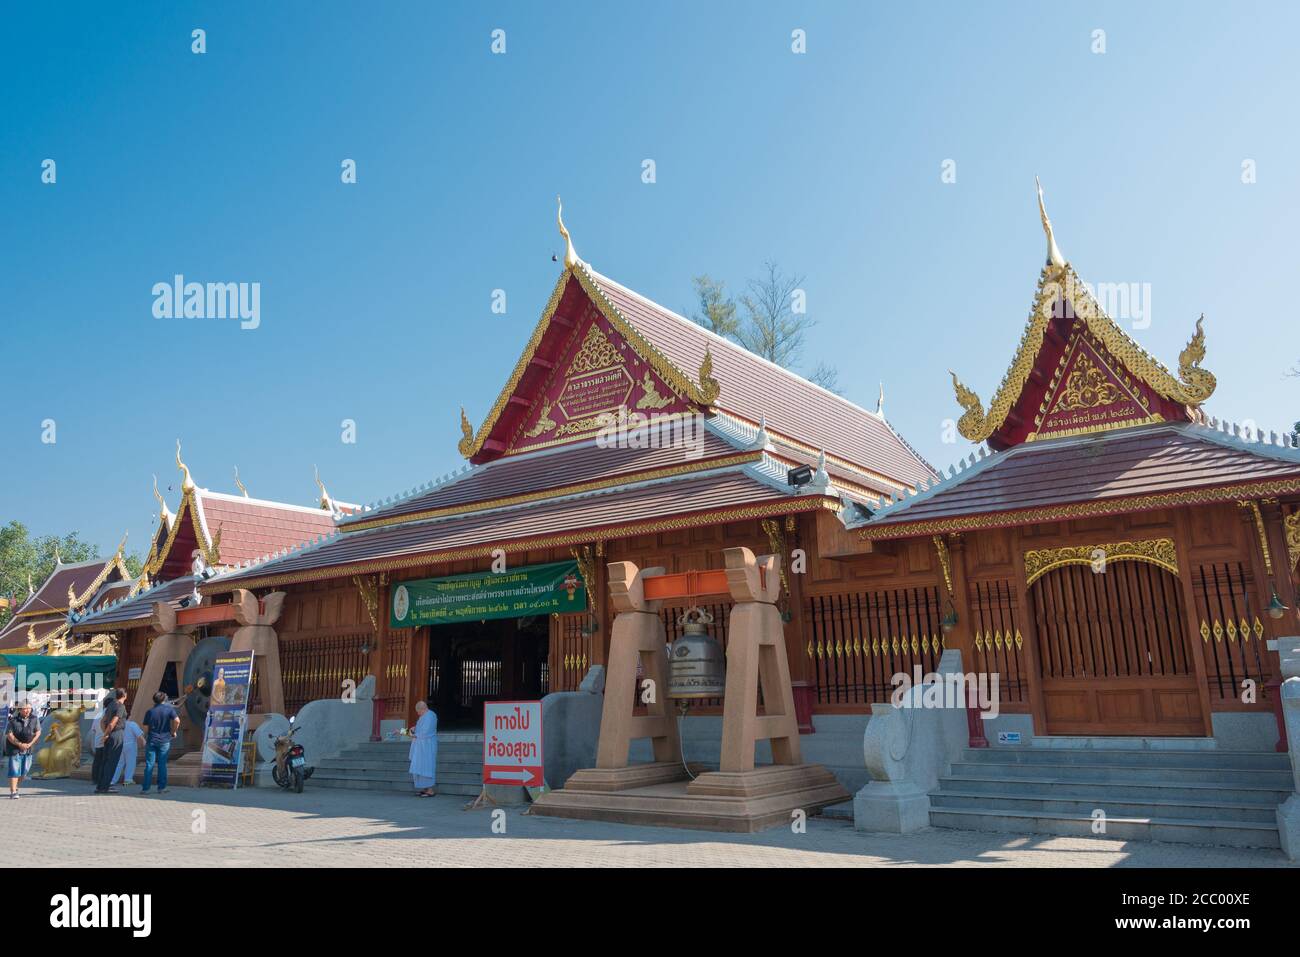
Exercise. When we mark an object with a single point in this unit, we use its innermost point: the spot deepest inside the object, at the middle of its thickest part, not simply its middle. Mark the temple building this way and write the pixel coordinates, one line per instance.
(209, 531)
(40, 625)
(1116, 556)
(624, 431)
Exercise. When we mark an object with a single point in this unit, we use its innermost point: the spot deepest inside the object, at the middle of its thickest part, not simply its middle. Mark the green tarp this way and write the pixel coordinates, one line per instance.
(46, 672)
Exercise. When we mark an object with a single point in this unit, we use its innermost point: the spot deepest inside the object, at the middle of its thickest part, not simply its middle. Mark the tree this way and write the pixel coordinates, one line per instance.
(774, 322)
(717, 312)
(22, 556)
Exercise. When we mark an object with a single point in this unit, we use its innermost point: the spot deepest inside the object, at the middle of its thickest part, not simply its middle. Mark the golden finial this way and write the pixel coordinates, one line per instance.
(31, 589)
(709, 386)
(325, 501)
(238, 484)
(466, 444)
(58, 559)
(164, 513)
(72, 597)
(570, 256)
(880, 402)
(187, 482)
(1054, 257)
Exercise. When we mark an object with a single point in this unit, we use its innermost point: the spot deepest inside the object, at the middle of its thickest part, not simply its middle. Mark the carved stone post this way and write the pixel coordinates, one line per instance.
(756, 655)
(255, 634)
(173, 644)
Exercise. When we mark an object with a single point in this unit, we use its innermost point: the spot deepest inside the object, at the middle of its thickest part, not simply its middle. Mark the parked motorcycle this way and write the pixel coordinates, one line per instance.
(290, 769)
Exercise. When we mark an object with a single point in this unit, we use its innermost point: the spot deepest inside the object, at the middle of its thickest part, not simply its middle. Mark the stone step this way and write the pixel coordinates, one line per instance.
(395, 777)
(1173, 830)
(347, 760)
(1216, 758)
(1124, 773)
(1219, 811)
(360, 784)
(1109, 791)
(1076, 742)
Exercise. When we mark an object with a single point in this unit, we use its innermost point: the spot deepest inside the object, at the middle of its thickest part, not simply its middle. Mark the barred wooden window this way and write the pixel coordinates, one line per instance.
(996, 635)
(858, 642)
(1231, 631)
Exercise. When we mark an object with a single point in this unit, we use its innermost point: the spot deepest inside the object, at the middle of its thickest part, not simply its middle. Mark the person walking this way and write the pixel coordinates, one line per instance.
(162, 722)
(424, 751)
(114, 725)
(21, 735)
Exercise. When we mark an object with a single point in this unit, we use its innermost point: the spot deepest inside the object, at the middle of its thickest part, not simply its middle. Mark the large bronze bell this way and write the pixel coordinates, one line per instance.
(697, 666)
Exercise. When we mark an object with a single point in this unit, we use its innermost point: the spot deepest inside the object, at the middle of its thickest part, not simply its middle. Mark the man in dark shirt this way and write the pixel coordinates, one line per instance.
(161, 722)
(113, 721)
(21, 735)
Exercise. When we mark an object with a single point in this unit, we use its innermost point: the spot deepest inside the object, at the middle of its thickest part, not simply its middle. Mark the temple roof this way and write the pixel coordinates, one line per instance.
(68, 588)
(136, 609)
(729, 489)
(1111, 472)
(687, 368)
(230, 529)
(1075, 371)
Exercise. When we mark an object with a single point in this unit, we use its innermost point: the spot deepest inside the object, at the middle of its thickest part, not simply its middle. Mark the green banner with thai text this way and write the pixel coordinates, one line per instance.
(554, 588)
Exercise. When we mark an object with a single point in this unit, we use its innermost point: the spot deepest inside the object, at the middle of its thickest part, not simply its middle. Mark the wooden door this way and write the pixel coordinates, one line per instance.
(1114, 652)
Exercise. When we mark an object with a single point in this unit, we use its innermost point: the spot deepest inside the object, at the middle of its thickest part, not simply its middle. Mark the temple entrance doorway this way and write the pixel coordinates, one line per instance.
(496, 660)
(1114, 651)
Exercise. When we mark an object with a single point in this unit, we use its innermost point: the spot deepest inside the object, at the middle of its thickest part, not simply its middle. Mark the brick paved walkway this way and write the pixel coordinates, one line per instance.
(61, 823)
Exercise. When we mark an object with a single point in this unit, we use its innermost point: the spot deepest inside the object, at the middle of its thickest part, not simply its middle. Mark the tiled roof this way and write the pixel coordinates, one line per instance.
(620, 511)
(137, 608)
(752, 388)
(252, 528)
(1122, 470)
(14, 635)
(538, 473)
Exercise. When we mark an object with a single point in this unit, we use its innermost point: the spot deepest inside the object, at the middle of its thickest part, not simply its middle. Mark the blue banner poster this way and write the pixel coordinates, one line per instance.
(223, 733)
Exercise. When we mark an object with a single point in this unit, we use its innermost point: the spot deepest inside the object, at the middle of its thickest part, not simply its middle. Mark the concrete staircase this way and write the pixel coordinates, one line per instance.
(383, 766)
(1177, 793)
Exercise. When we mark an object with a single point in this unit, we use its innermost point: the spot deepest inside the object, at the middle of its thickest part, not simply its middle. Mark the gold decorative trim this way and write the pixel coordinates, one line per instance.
(776, 542)
(945, 561)
(369, 587)
(808, 503)
(1091, 509)
(1253, 508)
(210, 550)
(1156, 551)
(703, 393)
(1292, 525)
(1195, 387)
(704, 465)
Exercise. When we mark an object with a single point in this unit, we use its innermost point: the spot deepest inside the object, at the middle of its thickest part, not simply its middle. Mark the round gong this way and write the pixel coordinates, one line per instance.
(198, 676)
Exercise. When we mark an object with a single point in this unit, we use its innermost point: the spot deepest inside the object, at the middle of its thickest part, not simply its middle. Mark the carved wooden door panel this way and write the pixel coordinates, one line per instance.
(1114, 652)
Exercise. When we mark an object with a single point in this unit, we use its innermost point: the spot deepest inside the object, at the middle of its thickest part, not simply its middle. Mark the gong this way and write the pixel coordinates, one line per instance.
(198, 676)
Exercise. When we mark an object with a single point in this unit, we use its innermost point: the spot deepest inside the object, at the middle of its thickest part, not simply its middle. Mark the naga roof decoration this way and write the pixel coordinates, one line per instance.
(1065, 314)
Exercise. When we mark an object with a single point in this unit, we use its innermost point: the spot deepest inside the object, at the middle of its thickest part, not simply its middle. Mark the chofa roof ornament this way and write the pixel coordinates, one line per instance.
(1054, 257)
(187, 481)
(570, 254)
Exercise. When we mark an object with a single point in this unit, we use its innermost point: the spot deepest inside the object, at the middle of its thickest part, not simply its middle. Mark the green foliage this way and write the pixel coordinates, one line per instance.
(22, 557)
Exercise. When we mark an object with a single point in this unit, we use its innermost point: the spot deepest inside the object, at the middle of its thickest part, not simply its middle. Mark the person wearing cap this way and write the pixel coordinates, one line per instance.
(21, 735)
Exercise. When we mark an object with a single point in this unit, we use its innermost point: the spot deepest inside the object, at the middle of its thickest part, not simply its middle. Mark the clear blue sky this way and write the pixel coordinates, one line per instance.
(376, 296)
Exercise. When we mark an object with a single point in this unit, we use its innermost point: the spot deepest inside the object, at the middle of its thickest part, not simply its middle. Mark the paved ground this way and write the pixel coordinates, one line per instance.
(61, 823)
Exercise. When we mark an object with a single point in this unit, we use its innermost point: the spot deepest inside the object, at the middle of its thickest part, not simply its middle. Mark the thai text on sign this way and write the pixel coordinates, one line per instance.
(512, 743)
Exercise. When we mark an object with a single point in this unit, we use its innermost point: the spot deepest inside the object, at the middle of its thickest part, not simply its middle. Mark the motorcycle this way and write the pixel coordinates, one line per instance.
(290, 769)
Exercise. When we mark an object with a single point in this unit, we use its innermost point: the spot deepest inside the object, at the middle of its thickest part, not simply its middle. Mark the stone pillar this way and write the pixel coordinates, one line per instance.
(172, 644)
(756, 654)
(637, 635)
(255, 634)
